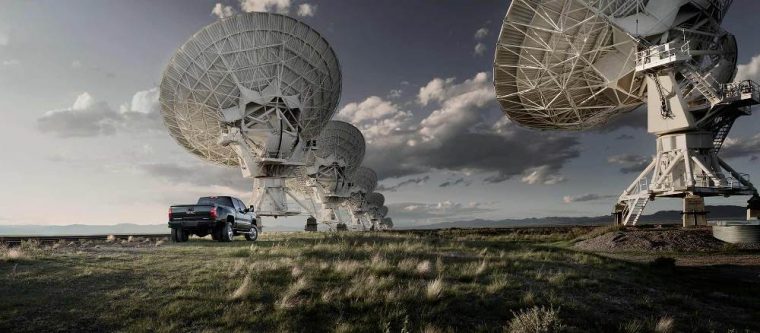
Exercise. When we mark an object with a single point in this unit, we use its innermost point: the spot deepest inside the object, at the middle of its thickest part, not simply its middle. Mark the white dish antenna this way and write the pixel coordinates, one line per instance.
(252, 90)
(574, 64)
(323, 185)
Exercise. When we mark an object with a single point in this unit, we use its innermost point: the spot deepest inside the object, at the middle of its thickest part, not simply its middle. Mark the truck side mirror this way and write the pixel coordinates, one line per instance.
(250, 209)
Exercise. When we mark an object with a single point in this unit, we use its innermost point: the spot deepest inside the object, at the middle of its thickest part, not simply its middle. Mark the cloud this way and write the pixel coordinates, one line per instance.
(480, 49)
(586, 197)
(221, 11)
(199, 174)
(11, 62)
(395, 93)
(450, 183)
(394, 188)
(435, 212)
(76, 64)
(278, 6)
(741, 147)
(88, 117)
(481, 33)
(750, 70)
(455, 136)
(631, 163)
(306, 9)
(624, 137)
(4, 39)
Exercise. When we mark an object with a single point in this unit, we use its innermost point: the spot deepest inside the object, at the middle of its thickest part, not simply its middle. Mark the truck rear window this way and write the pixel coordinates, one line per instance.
(221, 201)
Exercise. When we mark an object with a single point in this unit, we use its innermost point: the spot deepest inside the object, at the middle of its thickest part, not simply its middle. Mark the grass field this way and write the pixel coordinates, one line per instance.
(440, 281)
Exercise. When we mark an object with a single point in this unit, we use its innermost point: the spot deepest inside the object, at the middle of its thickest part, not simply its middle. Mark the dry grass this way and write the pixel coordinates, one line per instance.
(664, 325)
(453, 281)
(535, 320)
(434, 289)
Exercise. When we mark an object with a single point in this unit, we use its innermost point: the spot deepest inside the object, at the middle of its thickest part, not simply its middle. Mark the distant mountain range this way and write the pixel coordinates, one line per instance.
(88, 229)
(662, 217)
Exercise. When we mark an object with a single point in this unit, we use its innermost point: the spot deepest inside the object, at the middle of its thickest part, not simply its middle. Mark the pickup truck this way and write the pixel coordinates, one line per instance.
(223, 217)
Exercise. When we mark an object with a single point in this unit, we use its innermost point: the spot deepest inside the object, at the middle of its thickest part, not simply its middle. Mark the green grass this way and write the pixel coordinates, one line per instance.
(377, 282)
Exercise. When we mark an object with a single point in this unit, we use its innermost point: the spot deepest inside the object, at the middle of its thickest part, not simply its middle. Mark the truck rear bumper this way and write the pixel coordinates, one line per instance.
(192, 225)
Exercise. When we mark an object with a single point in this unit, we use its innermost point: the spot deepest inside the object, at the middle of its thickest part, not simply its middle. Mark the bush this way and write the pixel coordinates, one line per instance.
(535, 320)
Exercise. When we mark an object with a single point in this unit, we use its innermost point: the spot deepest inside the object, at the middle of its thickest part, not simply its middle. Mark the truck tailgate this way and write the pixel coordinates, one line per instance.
(191, 212)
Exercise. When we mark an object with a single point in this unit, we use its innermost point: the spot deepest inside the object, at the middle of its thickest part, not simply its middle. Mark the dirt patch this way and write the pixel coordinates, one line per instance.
(663, 240)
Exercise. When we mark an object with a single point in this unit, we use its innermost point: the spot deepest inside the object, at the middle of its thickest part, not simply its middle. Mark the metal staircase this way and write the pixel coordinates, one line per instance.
(635, 208)
(702, 84)
(636, 203)
(720, 135)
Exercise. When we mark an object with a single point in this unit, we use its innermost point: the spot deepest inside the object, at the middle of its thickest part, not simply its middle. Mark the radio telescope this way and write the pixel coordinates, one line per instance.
(363, 183)
(574, 64)
(323, 184)
(375, 202)
(252, 90)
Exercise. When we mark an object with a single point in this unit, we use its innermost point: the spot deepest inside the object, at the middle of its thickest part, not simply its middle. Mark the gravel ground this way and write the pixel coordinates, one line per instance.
(659, 240)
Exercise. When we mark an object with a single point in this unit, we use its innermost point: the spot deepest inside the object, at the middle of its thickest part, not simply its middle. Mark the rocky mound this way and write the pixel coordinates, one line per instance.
(654, 239)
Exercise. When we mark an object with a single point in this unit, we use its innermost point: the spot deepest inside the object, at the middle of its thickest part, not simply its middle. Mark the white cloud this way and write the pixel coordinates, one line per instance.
(145, 101)
(76, 64)
(395, 93)
(89, 117)
(279, 6)
(377, 118)
(306, 9)
(481, 33)
(455, 136)
(544, 174)
(459, 105)
(221, 11)
(586, 197)
(4, 39)
(749, 71)
(11, 62)
(480, 49)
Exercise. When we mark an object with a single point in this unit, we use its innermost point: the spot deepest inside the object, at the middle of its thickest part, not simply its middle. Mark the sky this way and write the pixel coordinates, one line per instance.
(83, 142)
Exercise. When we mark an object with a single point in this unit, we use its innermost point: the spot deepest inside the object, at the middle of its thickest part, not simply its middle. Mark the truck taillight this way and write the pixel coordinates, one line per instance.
(170, 213)
(212, 213)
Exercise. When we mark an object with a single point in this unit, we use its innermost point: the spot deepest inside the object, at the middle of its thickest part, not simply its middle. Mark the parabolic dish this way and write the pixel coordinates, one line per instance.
(343, 141)
(375, 200)
(255, 51)
(561, 65)
(364, 180)
(382, 211)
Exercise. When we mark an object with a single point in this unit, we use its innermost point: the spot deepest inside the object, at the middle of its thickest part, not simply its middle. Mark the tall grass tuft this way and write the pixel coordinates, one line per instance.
(424, 268)
(434, 289)
(664, 325)
(535, 320)
(243, 290)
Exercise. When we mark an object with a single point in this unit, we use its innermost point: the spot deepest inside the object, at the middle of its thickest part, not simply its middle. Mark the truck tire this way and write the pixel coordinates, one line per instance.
(179, 235)
(185, 235)
(253, 234)
(226, 233)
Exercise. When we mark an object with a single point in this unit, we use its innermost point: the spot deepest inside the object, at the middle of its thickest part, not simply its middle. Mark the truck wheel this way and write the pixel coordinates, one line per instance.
(253, 234)
(175, 236)
(179, 235)
(185, 235)
(226, 233)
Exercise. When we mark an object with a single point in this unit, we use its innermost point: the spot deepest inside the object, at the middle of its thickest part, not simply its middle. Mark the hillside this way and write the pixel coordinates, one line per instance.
(717, 212)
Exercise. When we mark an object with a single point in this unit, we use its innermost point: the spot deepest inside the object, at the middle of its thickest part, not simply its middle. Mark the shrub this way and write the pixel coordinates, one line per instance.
(535, 320)
(434, 289)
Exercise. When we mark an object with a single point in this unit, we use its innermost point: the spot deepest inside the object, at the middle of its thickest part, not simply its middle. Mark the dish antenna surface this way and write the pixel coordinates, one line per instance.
(574, 64)
(326, 179)
(363, 182)
(252, 90)
(375, 202)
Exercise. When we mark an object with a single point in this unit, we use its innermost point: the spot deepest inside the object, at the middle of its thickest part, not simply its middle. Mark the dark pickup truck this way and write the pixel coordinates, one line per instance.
(222, 217)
